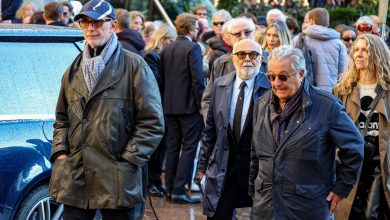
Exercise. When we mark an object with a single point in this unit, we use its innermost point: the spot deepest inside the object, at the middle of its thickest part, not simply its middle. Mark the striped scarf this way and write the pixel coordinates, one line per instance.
(93, 66)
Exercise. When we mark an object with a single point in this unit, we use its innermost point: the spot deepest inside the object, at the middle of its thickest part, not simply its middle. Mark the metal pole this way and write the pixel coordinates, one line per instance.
(163, 13)
(383, 5)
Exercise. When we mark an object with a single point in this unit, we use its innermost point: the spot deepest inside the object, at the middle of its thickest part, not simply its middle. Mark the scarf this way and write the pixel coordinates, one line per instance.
(280, 118)
(93, 66)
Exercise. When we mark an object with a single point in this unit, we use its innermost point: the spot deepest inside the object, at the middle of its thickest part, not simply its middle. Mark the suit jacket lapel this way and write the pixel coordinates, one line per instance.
(76, 79)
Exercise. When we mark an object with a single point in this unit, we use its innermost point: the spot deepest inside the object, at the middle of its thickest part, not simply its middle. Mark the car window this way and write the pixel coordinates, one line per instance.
(30, 77)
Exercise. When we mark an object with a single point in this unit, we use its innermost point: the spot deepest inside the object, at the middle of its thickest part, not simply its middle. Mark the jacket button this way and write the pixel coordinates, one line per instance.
(105, 93)
(85, 121)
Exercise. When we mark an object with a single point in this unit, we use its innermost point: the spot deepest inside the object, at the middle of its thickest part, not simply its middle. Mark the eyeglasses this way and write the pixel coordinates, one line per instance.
(238, 34)
(282, 77)
(218, 23)
(347, 39)
(94, 23)
(65, 13)
(364, 27)
(201, 14)
(242, 55)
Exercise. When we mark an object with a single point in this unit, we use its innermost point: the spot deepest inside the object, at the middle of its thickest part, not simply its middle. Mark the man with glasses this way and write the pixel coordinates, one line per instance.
(227, 137)
(108, 122)
(217, 21)
(297, 128)
(201, 12)
(364, 25)
(236, 30)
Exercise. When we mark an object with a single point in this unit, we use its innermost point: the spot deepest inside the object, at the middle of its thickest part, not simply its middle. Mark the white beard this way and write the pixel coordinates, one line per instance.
(246, 73)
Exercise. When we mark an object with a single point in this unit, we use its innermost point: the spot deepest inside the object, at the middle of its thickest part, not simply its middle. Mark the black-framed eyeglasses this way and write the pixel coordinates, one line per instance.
(94, 23)
(247, 33)
(218, 23)
(242, 55)
(347, 39)
(282, 76)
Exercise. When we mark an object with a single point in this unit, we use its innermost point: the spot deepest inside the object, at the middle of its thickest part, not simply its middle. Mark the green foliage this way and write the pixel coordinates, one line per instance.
(230, 6)
(343, 16)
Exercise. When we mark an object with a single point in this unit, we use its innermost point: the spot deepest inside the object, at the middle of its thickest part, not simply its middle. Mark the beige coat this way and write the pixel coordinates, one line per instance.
(352, 106)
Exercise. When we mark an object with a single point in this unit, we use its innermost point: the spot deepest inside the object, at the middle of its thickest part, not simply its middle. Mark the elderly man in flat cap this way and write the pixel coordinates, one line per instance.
(108, 122)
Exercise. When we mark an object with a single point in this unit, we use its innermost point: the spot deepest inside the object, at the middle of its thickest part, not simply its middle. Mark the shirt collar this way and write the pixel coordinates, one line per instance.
(249, 83)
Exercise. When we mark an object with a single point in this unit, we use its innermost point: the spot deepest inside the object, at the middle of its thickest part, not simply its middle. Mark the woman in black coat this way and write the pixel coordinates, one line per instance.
(160, 39)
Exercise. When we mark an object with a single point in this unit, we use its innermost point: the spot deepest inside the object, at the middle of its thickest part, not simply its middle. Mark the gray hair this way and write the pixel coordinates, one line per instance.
(257, 45)
(241, 20)
(225, 27)
(277, 12)
(222, 13)
(364, 20)
(286, 51)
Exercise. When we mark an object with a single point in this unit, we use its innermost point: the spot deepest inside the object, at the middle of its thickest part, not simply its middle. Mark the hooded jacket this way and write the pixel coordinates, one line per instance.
(329, 55)
(132, 40)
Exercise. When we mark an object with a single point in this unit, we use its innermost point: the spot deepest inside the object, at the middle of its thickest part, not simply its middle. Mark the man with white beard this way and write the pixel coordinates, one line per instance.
(230, 118)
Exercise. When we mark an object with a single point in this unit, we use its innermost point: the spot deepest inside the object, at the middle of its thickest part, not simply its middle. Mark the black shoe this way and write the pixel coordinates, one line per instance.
(184, 199)
(154, 191)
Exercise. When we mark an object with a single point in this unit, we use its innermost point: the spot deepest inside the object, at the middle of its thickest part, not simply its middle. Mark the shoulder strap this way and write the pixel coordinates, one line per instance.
(372, 108)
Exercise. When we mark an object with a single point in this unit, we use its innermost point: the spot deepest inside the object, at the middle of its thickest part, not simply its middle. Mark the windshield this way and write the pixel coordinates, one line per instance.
(30, 77)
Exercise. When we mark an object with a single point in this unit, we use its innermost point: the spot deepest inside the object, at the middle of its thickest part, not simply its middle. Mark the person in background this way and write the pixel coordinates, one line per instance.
(261, 23)
(161, 38)
(109, 120)
(274, 15)
(148, 31)
(217, 21)
(296, 131)
(328, 52)
(129, 38)
(364, 89)
(226, 166)
(204, 27)
(201, 12)
(37, 18)
(67, 15)
(293, 27)
(53, 14)
(364, 25)
(348, 36)
(375, 28)
(24, 13)
(8, 10)
(276, 34)
(183, 86)
(137, 21)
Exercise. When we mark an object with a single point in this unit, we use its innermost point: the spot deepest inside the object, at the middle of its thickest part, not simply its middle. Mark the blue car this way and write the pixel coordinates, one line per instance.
(33, 59)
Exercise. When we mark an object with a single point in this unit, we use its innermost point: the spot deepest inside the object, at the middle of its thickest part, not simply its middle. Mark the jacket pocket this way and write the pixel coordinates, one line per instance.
(310, 191)
(56, 175)
(129, 184)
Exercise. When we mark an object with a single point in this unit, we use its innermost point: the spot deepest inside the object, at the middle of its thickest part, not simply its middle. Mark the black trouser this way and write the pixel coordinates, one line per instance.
(73, 213)
(183, 135)
(233, 196)
(155, 164)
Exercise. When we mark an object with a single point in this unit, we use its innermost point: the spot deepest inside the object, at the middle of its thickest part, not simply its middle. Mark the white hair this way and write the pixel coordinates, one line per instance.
(279, 13)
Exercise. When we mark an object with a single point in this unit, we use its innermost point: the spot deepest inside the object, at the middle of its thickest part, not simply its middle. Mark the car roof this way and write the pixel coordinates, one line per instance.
(39, 33)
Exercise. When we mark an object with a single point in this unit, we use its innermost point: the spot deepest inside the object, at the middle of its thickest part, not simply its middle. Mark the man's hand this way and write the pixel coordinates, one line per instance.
(62, 157)
(334, 201)
(199, 177)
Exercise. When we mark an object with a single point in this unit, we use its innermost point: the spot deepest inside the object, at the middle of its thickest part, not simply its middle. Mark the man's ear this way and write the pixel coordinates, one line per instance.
(311, 21)
(302, 73)
(114, 24)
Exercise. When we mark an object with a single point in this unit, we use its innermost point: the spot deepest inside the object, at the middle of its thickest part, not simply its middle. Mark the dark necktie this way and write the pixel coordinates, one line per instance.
(238, 112)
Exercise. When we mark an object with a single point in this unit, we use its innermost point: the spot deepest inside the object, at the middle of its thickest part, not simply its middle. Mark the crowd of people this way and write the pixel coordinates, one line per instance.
(294, 124)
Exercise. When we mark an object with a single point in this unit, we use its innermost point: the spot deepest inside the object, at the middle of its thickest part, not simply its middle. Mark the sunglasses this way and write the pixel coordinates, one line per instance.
(347, 39)
(247, 33)
(282, 77)
(94, 23)
(364, 27)
(242, 55)
(218, 23)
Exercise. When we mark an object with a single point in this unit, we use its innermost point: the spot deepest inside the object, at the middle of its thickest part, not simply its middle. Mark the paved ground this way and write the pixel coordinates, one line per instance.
(169, 211)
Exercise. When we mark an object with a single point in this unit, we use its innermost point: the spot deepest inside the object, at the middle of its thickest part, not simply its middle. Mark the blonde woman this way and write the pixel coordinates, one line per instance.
(24, 13)
(276, 34)
(366, 86)
(162, 37)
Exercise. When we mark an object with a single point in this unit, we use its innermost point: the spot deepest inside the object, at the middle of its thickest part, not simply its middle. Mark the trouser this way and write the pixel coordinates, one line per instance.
(233, 196)
(74, 213)
(183, 135)
(155, 164)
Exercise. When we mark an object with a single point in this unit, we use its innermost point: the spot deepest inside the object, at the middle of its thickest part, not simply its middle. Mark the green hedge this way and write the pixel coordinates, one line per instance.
(346, 15)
